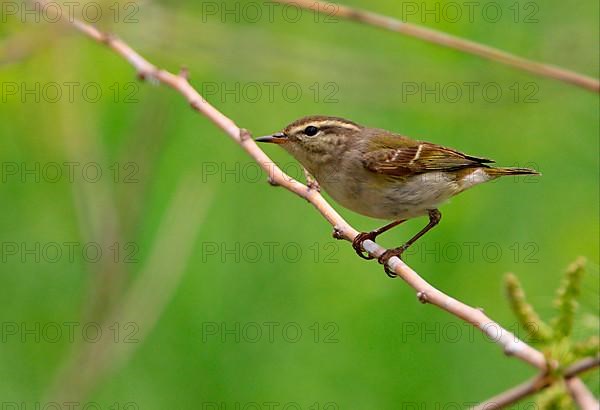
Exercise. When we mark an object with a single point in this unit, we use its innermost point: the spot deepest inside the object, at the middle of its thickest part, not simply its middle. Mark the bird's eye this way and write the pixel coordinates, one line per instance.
(311, 130)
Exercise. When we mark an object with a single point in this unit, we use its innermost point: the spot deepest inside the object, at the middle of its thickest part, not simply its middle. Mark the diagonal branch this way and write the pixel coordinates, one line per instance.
(577, 389)
(581, 366)
(515, 394)
(342, 230)
(581, 395)
(447, 40)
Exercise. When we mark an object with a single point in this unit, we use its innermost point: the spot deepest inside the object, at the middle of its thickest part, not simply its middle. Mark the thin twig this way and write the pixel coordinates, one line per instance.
(447, 40)
(515, 394)
(342, 230)
(544, 380)
(582, 366)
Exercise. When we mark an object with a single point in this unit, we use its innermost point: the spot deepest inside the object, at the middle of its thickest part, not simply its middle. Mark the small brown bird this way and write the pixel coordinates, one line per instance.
(381, 174)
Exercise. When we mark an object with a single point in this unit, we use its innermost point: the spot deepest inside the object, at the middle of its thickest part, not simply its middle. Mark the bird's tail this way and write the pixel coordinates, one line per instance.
(498, 172)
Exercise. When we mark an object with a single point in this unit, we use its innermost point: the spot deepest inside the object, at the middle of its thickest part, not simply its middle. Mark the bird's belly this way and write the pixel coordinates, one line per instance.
(394, 199)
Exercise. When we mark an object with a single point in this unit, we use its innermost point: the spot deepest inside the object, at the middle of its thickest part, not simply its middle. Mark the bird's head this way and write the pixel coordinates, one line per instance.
(317, 139)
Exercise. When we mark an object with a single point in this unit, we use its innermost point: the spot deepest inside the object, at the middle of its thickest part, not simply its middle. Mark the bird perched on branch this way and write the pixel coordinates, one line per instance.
(382, 174)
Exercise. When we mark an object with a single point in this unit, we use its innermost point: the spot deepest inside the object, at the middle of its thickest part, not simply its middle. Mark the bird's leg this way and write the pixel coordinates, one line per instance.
(434, 218)
(363, 236)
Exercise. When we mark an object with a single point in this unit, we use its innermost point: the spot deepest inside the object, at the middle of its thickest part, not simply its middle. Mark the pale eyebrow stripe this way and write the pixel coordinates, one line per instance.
(324, 124)
(339, 124)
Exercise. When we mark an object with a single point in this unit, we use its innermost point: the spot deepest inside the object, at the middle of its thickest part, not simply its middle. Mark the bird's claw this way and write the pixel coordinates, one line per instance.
(313, 185)
(358, 241)
(385, 257)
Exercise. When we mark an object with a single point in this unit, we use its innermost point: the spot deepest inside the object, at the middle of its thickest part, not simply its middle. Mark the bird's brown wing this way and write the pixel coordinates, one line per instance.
(417, 159)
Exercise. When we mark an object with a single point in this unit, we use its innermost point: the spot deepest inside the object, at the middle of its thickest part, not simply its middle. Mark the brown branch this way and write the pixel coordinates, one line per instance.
(582, 366)
(342, 230)
(447, 40)
(515, 394)
(577, 389)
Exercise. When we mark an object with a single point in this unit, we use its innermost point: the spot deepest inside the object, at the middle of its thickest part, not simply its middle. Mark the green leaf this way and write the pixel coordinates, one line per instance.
(539, 331)
(566, 296)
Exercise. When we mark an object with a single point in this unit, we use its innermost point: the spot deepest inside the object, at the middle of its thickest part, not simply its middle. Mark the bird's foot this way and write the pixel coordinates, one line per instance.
(358, 241)
(385, 257)
(313, 185)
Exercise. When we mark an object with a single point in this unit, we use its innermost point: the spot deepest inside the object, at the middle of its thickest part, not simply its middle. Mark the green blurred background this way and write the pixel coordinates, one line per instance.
(199, 252)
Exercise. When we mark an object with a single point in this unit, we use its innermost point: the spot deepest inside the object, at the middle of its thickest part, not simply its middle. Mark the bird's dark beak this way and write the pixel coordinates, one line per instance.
(278, 138)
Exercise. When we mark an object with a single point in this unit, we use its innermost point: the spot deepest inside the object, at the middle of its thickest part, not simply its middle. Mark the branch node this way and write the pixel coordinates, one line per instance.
(422, 296)
(337, 233)
(184, 73)
(245, 134)
(107, 38)
(151, 75)
(195, 105)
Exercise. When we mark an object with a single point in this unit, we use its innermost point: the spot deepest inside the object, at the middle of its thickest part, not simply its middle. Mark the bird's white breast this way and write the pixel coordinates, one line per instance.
(386, 198)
